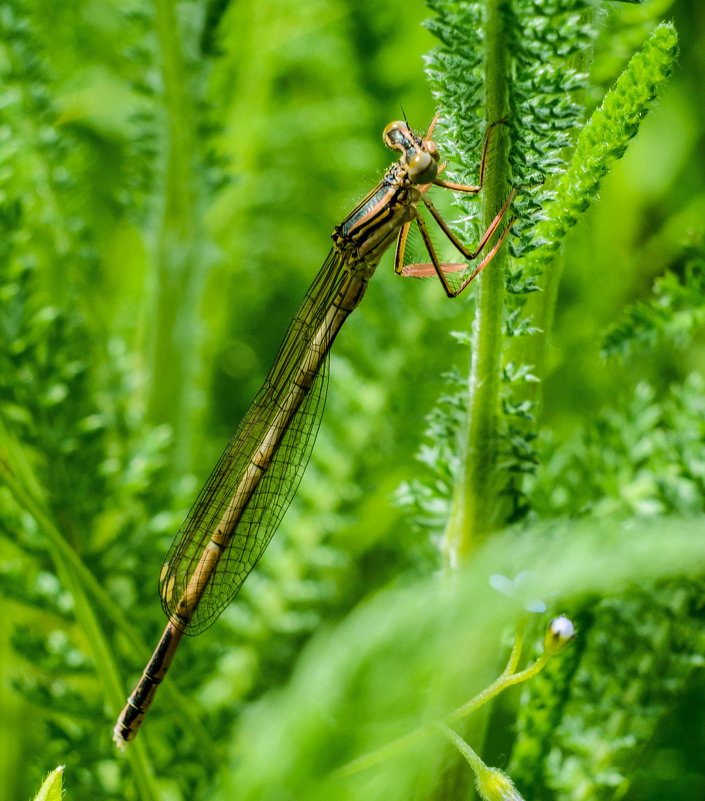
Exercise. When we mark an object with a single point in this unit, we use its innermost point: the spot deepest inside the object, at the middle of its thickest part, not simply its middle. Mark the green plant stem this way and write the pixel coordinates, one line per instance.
(474, 508)
(491, 784)
(505, 681)
(102, 655)
(176, 293)
(106, 668)
(477, 765)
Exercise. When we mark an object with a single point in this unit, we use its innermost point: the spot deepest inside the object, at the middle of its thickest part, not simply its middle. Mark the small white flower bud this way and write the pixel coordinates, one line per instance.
(559, 633)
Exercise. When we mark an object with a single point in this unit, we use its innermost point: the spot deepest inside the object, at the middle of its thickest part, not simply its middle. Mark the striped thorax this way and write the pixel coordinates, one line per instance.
(368, 231)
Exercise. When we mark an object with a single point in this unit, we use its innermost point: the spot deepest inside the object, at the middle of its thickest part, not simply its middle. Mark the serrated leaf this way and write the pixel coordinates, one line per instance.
(52, 786)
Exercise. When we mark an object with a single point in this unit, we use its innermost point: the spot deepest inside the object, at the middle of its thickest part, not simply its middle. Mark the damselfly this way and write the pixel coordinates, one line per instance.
(243, 501)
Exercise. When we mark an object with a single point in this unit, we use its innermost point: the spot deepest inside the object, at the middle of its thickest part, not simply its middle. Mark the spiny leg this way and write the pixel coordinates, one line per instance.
(464, 187)
(439, 268)
(434, 258)
(488, 258)
(457, 244)
(433, 124)
(443, 268)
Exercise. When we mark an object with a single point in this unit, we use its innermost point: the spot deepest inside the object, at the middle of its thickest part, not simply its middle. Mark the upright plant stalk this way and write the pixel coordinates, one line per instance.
(175, 293)
(475, 503)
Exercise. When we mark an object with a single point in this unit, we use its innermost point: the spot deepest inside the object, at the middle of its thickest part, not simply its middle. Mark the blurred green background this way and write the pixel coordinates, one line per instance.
(146, 290)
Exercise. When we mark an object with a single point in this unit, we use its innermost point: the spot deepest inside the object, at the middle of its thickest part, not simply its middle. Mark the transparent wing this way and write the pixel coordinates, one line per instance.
(279, 482)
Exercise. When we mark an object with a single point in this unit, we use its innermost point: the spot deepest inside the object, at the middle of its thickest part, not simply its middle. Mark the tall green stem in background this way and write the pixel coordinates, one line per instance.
(69, 569)
(177, 280)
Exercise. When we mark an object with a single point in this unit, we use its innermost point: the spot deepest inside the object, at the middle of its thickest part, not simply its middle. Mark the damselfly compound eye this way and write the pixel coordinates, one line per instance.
(396, 135)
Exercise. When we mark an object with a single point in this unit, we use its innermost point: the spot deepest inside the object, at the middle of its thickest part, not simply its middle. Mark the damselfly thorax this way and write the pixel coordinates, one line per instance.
(367, 232)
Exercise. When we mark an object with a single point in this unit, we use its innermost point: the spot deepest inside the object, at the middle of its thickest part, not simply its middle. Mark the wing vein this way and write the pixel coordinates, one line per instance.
(255, 479)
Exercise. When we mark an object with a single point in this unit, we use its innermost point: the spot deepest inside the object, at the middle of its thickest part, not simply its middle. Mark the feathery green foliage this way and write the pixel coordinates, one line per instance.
(639, 460)
(527, 320)
(673, 316)
(169, 176)
(601, 141)
(589, 717)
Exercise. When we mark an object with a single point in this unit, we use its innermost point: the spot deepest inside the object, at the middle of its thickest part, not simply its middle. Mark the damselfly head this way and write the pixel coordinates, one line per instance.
(418, 156)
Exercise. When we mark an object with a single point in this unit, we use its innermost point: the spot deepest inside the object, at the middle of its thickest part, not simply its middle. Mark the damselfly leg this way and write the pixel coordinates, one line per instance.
(441, 269)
